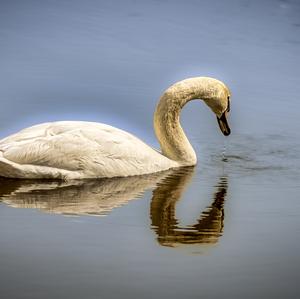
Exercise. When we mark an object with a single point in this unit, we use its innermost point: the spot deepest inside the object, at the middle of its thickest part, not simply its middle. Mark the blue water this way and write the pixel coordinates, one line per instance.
(228, 227)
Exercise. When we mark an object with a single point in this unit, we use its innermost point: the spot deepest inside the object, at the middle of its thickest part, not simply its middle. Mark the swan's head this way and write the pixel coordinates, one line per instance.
(217, 97)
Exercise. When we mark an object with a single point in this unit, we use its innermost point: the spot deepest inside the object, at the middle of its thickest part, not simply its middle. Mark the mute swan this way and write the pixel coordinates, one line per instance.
(79, 150)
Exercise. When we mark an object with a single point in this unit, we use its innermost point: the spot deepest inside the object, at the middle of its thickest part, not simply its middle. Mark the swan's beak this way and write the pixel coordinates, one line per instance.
(223, 124)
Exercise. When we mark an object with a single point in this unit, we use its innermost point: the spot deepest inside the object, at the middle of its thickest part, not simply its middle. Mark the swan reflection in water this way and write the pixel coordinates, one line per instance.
(209, 226)
(100, 197)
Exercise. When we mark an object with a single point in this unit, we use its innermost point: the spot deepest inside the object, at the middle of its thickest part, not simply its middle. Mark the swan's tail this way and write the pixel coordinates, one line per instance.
(9, 169)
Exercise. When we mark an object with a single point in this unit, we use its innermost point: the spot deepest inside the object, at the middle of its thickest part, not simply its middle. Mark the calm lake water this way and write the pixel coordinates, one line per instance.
(228, 227)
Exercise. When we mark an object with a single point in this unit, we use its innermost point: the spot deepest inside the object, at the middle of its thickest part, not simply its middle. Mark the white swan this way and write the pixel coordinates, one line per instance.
(78, 150)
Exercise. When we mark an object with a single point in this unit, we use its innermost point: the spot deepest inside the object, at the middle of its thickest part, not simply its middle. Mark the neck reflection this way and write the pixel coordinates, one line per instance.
(209, 226)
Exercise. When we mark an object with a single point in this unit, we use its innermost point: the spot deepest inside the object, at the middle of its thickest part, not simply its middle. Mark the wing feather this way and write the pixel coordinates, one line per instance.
(79, 146)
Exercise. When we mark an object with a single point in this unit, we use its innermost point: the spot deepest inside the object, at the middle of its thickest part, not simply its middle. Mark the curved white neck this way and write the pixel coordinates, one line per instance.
(173, 141)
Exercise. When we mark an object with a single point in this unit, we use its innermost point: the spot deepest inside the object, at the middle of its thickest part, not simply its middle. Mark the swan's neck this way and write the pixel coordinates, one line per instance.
(173, 141)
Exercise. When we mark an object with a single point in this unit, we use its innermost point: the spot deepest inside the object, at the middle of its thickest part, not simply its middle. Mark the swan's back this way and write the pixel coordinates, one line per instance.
(72, 149)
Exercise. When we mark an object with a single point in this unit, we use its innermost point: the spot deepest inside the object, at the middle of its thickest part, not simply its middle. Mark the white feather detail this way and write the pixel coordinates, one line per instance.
(77, 150)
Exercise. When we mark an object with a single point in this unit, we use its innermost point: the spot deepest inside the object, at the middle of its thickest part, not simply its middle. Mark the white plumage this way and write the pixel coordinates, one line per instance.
(78, 150)
(74, 149)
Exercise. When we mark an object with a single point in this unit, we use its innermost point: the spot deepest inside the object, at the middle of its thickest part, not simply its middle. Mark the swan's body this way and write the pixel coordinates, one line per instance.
(74, 149)
(78, 150)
